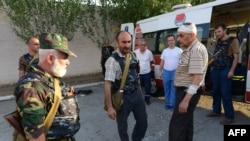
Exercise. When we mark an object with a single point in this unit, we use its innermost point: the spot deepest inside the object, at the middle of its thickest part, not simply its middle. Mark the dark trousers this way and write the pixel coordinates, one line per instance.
(181, 124)
(145, 80)
(222, 92)
(103, 68)
(132, 103)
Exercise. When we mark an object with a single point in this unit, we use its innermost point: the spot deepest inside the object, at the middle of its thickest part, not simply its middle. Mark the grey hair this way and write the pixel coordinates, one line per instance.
(44, 52)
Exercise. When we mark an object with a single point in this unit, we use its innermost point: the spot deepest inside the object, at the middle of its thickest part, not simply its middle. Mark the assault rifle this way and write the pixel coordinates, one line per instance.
(14, 119)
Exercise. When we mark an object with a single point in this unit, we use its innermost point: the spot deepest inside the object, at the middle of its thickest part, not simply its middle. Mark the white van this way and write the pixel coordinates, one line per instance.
(234, 13)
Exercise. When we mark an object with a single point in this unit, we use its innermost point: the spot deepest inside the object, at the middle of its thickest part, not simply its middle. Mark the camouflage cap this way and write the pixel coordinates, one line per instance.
(55, 41)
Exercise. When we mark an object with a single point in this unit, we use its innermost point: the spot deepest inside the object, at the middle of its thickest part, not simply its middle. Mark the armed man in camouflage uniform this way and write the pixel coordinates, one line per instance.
(35, 93)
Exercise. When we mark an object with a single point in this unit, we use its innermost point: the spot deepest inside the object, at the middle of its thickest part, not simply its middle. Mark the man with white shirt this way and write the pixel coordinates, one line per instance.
(169, 61)
(146, 59)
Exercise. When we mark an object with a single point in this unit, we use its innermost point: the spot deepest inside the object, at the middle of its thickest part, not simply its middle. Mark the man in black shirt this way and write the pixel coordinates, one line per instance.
(107, 50)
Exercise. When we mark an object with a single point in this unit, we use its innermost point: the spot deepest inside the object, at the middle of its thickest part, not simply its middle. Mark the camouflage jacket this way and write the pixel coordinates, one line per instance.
(34, 99)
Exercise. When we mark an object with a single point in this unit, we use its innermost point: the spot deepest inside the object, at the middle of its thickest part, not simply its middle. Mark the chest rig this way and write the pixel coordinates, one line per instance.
(223, 59)
(28, 58)
(132, 81)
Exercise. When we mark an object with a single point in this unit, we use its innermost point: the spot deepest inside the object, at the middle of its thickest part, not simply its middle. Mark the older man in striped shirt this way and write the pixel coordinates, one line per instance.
(188, 81)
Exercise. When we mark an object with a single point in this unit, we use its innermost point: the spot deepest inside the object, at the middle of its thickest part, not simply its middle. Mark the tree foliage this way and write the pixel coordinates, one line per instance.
(132, 11)
(32, 17)
(97, 22)
(192, 2)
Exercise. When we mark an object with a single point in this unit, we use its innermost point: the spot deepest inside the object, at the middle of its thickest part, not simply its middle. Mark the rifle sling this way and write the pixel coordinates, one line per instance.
(125, 72)
(52, 112)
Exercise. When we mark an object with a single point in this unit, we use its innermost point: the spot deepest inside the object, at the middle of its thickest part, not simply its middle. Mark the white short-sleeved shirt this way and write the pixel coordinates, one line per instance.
(113, 69)
(144, 60)
(171, 57)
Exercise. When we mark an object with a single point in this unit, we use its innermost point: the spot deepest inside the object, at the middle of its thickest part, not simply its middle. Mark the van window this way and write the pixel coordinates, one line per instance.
(157, 40)
(150, 38)
(163, 38)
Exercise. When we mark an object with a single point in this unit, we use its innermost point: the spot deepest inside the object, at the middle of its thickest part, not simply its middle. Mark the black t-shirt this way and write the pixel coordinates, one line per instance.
(106, 52)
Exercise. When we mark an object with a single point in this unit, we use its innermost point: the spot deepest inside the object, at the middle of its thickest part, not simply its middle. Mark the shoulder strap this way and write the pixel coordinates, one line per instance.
(33, 59)
(26, 57)
(125, 72)
(52, 112)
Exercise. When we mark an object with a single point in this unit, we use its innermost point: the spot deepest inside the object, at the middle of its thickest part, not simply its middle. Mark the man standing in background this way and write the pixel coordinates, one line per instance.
(24, 60)
(170, 59)
(106, 52)
(222, 73)
(146, 59)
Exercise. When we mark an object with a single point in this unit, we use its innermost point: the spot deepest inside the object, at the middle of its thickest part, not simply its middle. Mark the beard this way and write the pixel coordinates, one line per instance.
(57, 69)
(125, 50)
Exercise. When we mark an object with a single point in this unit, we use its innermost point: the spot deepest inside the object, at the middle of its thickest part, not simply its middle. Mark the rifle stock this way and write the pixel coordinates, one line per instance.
(211, 60)
(14, 119)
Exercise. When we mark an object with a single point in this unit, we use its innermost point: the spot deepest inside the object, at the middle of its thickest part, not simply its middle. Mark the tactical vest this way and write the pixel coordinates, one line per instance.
(28, 58)
(66, 122)
(223, 59)
(132, 81)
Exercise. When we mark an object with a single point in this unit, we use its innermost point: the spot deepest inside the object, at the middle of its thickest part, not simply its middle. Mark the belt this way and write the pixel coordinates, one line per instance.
(181, 88)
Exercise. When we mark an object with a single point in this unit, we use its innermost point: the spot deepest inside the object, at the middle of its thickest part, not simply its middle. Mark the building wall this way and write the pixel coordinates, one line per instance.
(87, 62)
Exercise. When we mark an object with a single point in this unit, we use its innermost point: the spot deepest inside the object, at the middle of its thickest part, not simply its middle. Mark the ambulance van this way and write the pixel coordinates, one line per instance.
(234, 13)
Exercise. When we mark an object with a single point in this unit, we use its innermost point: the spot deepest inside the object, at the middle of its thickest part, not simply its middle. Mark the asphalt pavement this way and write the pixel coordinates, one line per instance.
(96, 126)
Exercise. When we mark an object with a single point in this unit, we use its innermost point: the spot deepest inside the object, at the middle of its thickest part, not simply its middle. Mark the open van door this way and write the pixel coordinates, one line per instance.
(247, 94)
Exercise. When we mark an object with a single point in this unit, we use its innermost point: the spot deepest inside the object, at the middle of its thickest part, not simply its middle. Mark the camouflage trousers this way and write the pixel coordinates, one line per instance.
(19, 137)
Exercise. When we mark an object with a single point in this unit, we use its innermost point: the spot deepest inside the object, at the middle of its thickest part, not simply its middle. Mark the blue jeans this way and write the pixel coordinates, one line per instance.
(222, 92)
(169, 89)
(145, 80)
(132, 103)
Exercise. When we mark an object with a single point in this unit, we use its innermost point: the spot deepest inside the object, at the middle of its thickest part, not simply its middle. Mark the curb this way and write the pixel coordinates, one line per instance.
(4, 98)
(88, 85)
(10, 97)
